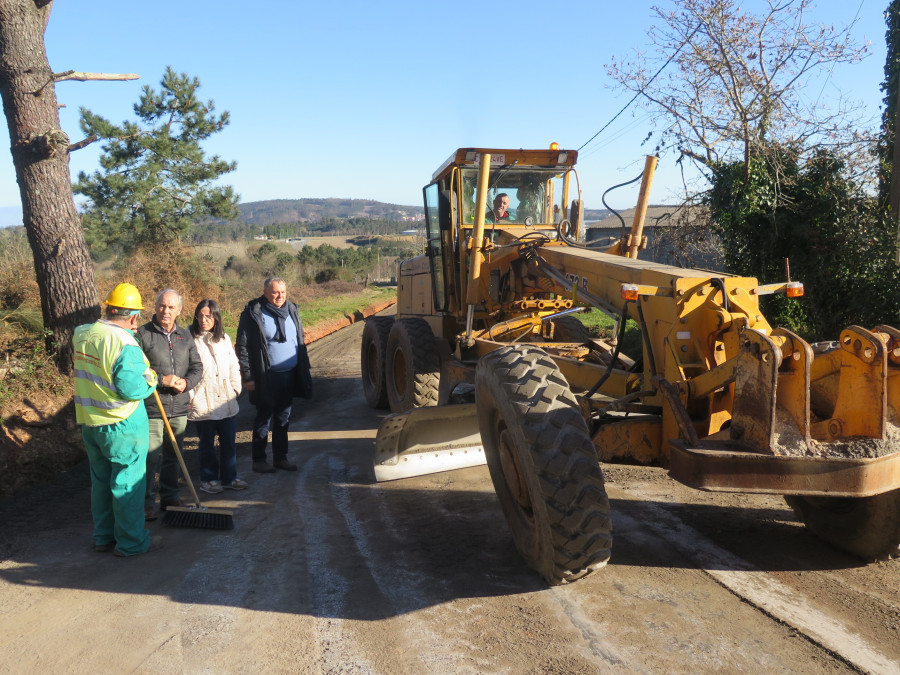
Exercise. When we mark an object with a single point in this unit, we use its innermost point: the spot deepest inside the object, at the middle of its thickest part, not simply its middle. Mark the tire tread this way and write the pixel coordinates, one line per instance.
(564, 459)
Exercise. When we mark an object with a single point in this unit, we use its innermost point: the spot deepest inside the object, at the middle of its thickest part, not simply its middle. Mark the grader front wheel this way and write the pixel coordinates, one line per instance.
(868, 527)
(543, 464)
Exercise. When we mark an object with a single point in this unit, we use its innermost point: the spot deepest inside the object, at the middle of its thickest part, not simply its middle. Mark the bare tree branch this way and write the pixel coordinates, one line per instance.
(84, 77)
(83, 143)
(735, 80)
(67, 75)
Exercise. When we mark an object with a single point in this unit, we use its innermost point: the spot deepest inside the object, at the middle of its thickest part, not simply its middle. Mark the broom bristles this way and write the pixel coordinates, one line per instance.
(199, 517)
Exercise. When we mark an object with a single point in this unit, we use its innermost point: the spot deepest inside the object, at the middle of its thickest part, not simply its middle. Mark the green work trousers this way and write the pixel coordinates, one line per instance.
(161, 458)
(117, 454)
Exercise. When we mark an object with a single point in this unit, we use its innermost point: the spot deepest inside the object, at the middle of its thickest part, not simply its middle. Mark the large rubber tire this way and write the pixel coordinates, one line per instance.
(868, 527)
(570, 329)
(543, 464)
(413, 366)
(372, 360)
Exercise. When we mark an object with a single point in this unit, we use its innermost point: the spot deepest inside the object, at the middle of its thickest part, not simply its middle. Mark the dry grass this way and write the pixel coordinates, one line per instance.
(227, 272)
(155, 269)
(38, 435)
(20, 298)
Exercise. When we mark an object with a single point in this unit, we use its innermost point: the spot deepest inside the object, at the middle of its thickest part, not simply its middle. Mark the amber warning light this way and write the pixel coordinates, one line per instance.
(794, 289)
(630, 292)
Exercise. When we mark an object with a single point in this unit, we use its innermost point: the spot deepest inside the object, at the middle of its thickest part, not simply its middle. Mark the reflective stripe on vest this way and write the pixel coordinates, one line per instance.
(97, 347)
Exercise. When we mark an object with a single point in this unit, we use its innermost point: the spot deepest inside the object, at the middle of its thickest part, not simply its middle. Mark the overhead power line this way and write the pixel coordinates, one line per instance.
(641, 90)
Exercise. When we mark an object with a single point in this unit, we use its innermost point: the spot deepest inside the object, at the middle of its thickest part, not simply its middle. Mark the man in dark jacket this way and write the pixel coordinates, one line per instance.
(274, 369)
(172, 354)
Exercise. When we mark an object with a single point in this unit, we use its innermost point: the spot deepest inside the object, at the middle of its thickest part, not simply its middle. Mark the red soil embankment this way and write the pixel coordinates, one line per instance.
(320, 330)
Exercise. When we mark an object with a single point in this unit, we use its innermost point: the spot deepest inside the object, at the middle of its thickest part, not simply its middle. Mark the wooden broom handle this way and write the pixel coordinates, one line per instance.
(187, 477)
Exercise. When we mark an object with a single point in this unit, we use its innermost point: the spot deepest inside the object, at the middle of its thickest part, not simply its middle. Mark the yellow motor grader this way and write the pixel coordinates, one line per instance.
(484, 362)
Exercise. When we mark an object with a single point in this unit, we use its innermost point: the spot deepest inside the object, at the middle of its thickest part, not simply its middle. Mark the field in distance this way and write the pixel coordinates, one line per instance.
(353, 241)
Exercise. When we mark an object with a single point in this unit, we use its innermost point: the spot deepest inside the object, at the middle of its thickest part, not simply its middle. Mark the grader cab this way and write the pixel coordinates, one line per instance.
(483, 362)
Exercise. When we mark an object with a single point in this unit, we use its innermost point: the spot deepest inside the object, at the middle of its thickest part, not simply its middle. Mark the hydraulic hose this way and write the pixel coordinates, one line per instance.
(615, 356)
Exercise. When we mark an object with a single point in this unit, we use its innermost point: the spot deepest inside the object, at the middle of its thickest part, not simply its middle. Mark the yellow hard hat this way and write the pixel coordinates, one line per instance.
(125, 296)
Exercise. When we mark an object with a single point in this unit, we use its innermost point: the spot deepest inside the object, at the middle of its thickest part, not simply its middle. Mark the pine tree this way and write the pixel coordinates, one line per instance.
(40, 153)
(155, 178)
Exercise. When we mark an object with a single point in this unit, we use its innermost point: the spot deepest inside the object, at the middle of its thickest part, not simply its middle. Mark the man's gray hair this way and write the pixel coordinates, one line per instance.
(159, 297)
(273, 280)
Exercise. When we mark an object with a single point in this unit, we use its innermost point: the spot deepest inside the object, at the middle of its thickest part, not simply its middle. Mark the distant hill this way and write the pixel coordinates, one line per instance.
(311, 210)
(276, 211)
(655, 212)
(593, 215)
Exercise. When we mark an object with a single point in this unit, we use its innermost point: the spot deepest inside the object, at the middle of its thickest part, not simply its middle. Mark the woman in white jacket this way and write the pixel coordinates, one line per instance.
(214, 405)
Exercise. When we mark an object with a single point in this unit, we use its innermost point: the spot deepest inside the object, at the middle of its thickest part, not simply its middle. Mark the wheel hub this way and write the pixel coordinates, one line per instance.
(515, 477)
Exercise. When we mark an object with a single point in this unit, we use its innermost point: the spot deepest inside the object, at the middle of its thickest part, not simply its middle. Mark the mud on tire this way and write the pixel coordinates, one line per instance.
(570, 329)
(868, 527)
(372, 359)
(543, 464)
(412, 366)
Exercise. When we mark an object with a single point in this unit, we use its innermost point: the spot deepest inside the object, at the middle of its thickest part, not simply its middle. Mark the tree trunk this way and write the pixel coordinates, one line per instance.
(65, 274)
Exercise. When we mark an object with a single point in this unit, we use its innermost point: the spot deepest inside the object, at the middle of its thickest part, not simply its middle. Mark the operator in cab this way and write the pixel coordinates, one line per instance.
(500, 211)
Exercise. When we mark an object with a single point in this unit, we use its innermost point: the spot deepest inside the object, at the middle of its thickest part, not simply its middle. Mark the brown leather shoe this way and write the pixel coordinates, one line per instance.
(104, 548)
(285, 465)
(263, 467)
(150, 513)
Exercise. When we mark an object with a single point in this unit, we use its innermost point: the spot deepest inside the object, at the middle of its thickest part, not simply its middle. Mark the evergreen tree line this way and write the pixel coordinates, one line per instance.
(335, 226)
(357, 259)
(209, 231)
(375, 259)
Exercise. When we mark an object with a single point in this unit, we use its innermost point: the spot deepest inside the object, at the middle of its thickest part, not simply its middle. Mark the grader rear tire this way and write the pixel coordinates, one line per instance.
(372, 360)
(543, 464)
(413, 366)
(868, 527)
(570, 329)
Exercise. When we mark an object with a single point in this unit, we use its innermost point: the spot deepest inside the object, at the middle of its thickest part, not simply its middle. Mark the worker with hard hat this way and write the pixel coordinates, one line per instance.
(112, 379)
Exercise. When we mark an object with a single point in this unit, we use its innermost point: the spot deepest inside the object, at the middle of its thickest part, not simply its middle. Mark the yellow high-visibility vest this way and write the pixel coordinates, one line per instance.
(97, 347)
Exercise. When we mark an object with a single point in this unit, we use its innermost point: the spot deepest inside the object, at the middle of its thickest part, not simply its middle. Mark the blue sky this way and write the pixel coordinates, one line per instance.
(364, 100)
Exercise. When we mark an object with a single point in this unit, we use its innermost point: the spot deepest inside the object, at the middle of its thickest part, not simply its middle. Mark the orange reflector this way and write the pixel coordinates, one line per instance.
(794, 289)
(630, 292)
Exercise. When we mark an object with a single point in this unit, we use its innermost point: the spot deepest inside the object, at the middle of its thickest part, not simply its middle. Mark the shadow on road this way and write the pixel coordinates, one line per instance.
(326, 542)
(320, 544)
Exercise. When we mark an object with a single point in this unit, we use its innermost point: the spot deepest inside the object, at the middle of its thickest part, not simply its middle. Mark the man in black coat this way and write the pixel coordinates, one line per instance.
(274, 369)
(172, 354)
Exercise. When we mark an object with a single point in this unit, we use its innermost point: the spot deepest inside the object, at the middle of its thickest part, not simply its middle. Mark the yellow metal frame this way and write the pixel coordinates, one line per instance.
(716, 377)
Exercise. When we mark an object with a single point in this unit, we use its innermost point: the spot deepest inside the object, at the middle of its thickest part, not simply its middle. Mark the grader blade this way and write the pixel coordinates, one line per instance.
(428, 440)
(836, 432)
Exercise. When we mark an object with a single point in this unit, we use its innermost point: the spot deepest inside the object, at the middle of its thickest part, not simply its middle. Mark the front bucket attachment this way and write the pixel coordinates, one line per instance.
(428, 440)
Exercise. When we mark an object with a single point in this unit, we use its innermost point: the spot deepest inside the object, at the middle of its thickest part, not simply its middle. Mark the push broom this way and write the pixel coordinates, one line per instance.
(196, 515)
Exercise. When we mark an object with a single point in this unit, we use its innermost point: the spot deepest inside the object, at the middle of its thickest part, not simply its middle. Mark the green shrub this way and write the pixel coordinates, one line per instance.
(840, 242)
(326, 275)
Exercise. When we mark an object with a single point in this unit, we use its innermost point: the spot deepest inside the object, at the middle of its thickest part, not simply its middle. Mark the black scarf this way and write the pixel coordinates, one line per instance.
(280, 314)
